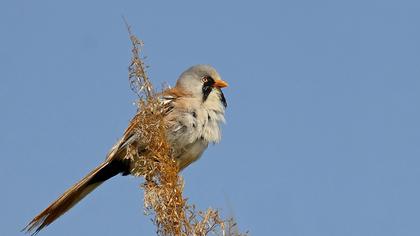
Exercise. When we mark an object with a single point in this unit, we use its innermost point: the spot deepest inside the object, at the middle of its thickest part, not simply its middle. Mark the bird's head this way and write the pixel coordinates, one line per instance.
(203, 81)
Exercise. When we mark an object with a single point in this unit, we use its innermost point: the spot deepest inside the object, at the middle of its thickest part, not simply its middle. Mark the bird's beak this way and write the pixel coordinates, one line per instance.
(220, 83)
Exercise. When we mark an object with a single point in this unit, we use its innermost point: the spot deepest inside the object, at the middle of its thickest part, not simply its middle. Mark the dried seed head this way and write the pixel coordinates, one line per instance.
(163, 185)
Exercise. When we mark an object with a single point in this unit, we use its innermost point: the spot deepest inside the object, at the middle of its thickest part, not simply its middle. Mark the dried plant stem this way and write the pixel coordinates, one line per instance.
(163, 185)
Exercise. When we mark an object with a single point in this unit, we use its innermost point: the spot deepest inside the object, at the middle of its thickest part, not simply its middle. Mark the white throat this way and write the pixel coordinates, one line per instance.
(215, 116)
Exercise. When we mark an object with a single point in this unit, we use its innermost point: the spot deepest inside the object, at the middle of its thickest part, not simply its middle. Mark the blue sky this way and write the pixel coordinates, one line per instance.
(322, 134)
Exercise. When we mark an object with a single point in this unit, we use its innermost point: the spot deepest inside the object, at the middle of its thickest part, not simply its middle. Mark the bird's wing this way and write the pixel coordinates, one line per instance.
(167, 100)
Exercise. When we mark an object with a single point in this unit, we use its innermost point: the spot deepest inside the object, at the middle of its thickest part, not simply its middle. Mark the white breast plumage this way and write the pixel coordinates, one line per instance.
(191, 128)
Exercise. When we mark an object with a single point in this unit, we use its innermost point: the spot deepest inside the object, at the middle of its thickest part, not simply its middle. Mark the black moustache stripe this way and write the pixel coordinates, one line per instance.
(208, 87)
(223, 99)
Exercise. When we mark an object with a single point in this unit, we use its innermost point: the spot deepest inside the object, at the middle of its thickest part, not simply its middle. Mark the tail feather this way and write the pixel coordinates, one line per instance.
(76, 193)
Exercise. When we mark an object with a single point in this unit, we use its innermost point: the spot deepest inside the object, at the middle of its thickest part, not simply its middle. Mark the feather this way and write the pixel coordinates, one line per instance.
(76, 193)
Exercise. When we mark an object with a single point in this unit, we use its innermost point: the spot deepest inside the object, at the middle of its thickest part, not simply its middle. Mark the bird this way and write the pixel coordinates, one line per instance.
(195, 110)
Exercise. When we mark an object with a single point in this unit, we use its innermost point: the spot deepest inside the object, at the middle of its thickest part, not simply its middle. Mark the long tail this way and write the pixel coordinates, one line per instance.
(76, 193)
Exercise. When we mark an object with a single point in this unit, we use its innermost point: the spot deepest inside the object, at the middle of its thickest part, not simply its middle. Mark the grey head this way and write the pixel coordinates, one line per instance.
(202, 80)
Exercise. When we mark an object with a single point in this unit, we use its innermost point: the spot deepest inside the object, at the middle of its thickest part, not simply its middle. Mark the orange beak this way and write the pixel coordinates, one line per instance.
(220, 83)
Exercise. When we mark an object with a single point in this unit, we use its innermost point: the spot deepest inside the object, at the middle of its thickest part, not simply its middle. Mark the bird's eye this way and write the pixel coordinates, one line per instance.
(204, 79)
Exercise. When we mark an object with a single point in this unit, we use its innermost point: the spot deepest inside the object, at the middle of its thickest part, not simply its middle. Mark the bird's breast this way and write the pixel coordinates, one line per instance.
(190, 131)
(190, 153)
